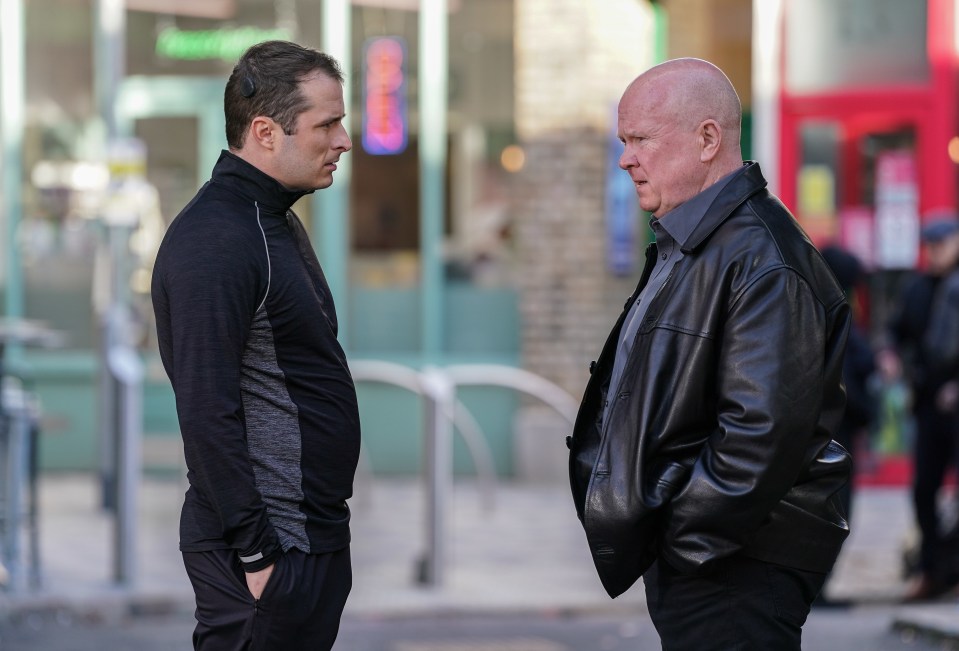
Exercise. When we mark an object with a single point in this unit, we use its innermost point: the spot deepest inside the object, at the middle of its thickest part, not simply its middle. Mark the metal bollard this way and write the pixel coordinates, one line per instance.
(17, 460)
(439, 393)
(126, 368)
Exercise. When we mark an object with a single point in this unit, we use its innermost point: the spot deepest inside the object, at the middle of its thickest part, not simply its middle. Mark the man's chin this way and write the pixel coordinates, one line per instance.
(321, 182)
(651, 209)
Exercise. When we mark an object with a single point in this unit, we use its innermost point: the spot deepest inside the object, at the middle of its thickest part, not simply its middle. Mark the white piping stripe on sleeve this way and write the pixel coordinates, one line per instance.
(269, 267)
(249, 559)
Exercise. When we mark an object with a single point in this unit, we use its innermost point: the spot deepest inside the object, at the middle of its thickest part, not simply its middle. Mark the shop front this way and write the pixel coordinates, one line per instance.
(868, 145)
(398, 300)
(868, 123)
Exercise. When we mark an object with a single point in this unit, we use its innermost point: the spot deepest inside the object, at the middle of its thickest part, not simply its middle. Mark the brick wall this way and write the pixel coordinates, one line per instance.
(574, 58)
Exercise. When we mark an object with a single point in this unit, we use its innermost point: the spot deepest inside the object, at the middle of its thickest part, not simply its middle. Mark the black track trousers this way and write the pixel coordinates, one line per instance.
(299, 609)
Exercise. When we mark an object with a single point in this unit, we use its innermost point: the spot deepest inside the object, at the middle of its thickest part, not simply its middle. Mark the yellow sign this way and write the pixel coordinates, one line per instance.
(817, 192)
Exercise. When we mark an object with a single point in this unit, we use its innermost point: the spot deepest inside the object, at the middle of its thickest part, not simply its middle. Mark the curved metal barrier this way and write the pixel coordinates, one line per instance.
(411, 380)
(443, 413)
(518, 379)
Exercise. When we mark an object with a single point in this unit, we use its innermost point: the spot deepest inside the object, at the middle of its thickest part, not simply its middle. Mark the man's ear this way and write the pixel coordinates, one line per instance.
(710, 139)
(263, 131)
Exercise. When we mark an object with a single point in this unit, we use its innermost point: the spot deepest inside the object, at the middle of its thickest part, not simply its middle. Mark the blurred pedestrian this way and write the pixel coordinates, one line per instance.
(702, 456)
(859, 367)
(858, 370)
(247, 333)
(925, 337)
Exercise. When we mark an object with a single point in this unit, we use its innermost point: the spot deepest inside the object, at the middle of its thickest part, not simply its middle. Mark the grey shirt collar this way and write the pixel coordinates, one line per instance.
(681, 221)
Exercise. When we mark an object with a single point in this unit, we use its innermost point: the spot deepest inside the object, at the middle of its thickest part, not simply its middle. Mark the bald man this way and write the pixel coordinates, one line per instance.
(702, 457)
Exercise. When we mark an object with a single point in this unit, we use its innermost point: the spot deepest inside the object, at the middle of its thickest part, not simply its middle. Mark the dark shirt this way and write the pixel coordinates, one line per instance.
(266, 403)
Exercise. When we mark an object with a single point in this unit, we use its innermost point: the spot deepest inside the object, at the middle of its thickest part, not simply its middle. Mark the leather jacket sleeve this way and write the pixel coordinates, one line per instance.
(770, 383)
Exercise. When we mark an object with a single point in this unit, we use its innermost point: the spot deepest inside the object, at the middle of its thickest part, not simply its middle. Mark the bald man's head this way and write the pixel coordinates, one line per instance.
(694, 90)
(680, 122)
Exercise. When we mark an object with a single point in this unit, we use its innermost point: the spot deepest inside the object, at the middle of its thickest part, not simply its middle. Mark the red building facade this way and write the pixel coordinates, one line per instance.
(868, 142)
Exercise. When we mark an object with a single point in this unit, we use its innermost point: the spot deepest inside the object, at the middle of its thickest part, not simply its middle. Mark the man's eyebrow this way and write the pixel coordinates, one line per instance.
(331, 120)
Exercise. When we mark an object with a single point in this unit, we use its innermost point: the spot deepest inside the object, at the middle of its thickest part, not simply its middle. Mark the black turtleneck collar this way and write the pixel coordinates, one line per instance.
(254, 184)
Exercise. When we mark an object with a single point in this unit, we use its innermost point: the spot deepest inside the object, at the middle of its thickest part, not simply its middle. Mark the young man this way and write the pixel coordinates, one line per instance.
(265, 400)
(702, 457)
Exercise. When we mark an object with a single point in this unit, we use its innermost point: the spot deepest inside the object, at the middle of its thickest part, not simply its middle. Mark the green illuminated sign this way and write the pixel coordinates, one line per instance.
(227, 44)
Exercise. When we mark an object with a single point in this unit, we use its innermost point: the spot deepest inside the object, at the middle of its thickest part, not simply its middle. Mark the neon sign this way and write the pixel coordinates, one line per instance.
(226, 44)
(384, 96)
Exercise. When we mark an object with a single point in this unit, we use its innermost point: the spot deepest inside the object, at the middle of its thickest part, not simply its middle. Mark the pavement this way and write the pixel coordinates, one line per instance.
(516, 549)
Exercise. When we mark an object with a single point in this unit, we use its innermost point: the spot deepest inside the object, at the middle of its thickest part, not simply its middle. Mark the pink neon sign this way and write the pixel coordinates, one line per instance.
(384, 96)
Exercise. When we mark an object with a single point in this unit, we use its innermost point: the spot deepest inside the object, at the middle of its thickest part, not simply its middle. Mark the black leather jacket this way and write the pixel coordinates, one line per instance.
(720, 438)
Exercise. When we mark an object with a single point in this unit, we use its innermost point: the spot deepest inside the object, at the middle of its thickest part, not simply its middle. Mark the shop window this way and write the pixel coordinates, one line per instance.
(833, 44)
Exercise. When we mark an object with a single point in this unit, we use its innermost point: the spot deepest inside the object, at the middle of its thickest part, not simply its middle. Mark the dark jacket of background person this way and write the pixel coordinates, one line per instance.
(908, 333)
(858, 367)
(266, 403)
(859, 364)
(940, 342)
(713, 446)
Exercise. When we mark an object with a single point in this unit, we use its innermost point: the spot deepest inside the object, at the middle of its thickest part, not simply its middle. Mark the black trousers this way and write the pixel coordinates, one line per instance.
(299, 609)
(936, 449)
(743, 605)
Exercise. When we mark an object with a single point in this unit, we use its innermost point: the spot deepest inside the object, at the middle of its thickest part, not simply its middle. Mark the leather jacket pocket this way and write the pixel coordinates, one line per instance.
(664, 483)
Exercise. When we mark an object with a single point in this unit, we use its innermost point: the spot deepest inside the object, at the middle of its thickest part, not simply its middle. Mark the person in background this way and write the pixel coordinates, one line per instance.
(858, 368)
(702, 456)
(926, 328)
(923, 346)
(265, 399)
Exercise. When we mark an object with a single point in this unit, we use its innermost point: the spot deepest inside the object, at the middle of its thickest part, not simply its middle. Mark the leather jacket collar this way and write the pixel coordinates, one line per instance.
(737, 191)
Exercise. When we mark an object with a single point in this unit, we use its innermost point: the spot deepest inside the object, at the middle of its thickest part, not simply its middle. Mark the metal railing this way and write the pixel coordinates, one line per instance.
(443, 414)
(19, 431)
(18, 494)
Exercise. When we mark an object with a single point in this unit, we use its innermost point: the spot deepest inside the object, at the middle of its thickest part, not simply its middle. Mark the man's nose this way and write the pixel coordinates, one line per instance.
(344, 142)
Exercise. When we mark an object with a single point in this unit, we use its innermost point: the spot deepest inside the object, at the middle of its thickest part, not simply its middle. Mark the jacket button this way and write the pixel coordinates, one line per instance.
(592, 367)
(569, 442)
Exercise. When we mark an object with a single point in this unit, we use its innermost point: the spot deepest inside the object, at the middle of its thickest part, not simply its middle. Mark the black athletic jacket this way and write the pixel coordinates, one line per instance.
(266, 403)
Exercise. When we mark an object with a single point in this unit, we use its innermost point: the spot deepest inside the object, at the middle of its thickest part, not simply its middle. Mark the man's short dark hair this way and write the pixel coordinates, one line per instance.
(265, 81)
